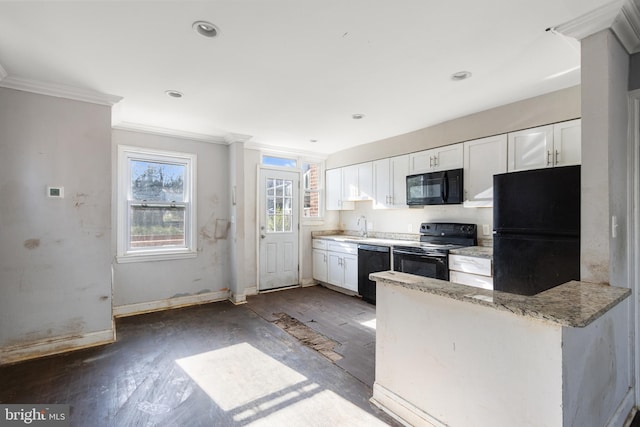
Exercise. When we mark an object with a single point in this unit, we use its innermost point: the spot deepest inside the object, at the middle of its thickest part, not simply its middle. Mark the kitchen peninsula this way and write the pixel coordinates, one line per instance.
(454, 355)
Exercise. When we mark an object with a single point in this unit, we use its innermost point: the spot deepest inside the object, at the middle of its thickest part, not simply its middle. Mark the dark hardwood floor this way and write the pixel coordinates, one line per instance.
(215, 365)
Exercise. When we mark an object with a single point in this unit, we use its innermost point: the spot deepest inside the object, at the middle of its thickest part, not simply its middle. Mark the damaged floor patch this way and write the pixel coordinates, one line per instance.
(307, 336)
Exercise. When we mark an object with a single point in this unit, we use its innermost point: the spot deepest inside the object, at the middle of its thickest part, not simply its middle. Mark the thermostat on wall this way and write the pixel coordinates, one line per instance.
(56, 192)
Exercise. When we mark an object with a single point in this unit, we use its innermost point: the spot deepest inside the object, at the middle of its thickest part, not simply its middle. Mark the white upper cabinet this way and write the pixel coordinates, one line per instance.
(334, 191)
(567, 143)
(390, 182)
(483, 158)
(530, 148)
(546, 146)
(357, 181)
(436, 159)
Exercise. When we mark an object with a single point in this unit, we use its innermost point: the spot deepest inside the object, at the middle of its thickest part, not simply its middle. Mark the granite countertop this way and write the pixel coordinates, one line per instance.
(475, 251)
(573, 304)
(383, 241)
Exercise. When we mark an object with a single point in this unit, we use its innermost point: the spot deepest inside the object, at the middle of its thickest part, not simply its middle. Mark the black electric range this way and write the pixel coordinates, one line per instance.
(430, 257)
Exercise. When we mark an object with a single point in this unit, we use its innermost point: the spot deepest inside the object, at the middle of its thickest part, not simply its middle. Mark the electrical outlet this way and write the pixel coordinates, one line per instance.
(486, 230)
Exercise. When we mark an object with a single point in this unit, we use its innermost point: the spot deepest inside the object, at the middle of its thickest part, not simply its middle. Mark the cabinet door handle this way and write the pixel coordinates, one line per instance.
(430, 161)
(557, 156)
(548, 158)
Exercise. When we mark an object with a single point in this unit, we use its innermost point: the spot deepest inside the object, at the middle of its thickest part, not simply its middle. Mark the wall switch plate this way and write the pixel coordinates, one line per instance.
(55, 192)
(486, 230)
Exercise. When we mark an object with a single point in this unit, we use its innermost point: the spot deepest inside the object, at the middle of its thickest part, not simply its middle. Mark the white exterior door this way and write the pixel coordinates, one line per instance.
(278, 228)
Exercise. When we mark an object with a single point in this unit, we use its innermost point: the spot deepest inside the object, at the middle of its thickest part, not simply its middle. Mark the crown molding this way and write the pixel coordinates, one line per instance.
(627, 26)
(591, 22)
(155, 130)
(231, 137)
(57, 90)
(287, 151)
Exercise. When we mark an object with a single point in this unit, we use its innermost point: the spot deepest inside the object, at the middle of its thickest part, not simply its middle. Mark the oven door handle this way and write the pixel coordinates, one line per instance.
(420, 254)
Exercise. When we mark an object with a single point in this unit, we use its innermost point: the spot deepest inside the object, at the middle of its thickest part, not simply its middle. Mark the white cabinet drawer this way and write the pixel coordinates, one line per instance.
(478, 281)
(470, 264)
(343, 247)
(319, 244)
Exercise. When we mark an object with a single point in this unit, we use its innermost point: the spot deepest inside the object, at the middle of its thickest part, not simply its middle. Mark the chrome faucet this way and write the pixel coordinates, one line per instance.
(363, 230)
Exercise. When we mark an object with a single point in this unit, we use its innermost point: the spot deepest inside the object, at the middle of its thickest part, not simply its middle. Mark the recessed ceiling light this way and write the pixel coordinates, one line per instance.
(357, 116)
(313, 140)
(204, 28)
(173, 93)
(460, 75)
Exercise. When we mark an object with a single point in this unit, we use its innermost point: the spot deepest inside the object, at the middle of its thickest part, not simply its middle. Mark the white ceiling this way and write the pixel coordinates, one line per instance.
(284, 72)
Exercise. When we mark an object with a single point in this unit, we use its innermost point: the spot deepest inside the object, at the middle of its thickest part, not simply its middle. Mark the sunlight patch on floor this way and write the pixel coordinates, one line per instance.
(369, 323)
(259, 390)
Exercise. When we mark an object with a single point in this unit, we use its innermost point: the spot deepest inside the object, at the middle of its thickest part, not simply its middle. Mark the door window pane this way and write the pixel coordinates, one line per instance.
(279, 205)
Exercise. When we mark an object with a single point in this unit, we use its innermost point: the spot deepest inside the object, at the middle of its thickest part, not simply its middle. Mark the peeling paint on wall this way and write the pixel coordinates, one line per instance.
(215, 229)
(31, 243)
(79, 199)
(222, 229)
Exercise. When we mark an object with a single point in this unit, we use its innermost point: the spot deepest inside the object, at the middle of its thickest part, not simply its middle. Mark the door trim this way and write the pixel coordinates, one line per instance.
(259, 169)
(633, 242)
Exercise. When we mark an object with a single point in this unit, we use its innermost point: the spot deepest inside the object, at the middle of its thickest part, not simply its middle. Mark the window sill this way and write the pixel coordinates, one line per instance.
(155, 256)
(312, 221)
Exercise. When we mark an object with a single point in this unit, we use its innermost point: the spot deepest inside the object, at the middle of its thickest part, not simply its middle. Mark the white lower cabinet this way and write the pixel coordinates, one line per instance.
(320, 260)
(343, 265)
(471, 271)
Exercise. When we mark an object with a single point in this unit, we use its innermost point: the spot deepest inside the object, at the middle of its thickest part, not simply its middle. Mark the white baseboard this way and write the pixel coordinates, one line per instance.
(252, 290)
(401, 410)
(308, 282)
(169, 303)
(49, 347)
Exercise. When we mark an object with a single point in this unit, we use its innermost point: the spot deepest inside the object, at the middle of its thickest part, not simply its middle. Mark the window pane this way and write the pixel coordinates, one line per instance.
(311, 176)
(311, 204)
(271, 187)
(279, 206)
(157, 227)
(155, 181)
(279, 161)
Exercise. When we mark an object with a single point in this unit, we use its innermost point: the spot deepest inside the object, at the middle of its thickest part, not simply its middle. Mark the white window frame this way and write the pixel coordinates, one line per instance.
(320, 191)
(124, 199)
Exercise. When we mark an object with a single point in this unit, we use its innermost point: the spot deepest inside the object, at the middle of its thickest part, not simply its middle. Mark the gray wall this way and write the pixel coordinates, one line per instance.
(141, 282)
(55, 254)
(605, 68)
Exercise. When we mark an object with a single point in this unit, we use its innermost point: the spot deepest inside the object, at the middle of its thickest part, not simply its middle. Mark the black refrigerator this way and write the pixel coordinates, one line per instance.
(536, 227)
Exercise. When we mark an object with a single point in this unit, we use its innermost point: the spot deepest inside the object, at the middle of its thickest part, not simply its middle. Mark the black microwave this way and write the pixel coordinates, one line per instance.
(435, 188)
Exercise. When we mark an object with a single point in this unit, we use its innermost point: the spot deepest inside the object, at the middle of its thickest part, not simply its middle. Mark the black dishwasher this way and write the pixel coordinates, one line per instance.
(371, 259)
